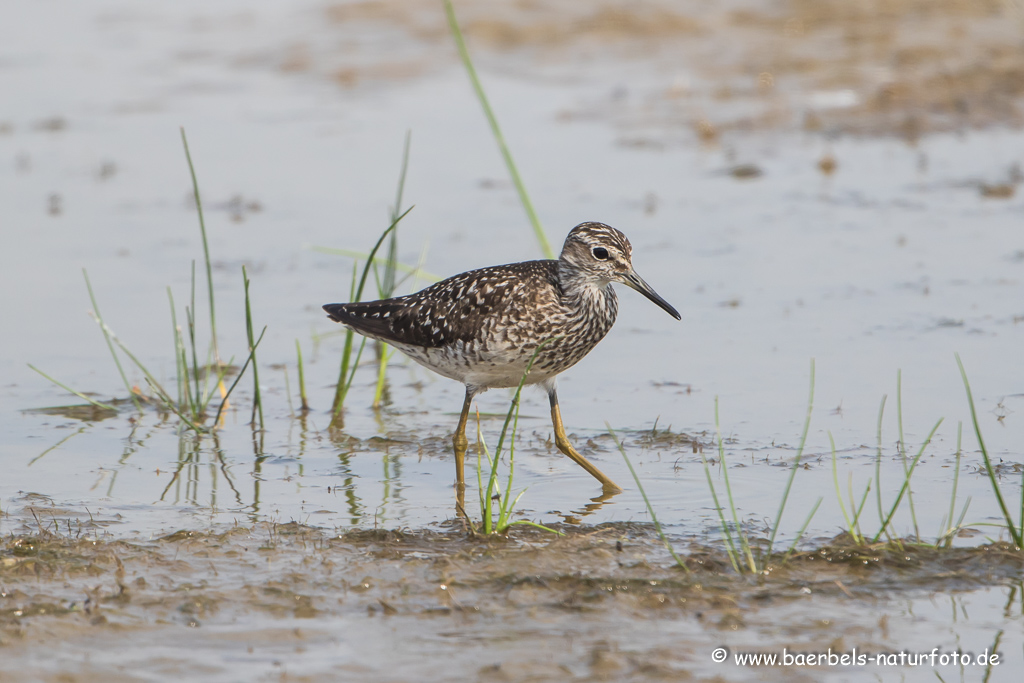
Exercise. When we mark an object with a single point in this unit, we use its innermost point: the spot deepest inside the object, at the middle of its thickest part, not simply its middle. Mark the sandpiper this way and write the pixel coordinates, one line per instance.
(483, 327)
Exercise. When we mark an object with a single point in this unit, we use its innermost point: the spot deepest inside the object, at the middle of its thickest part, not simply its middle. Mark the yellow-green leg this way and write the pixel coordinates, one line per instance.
(562, 441)
(461, 444)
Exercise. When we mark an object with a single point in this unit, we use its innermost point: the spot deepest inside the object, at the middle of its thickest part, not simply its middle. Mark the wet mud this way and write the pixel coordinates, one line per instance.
(315, 601)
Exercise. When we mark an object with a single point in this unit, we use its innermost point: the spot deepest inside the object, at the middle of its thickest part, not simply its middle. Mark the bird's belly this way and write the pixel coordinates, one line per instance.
(497, 365)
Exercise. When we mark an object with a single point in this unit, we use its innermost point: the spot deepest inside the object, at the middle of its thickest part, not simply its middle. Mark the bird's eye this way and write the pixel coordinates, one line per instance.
(600, 253)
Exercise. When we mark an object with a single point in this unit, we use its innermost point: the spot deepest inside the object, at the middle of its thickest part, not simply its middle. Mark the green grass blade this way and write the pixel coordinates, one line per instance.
(346, 360)
(730, 547)
(796, 464)
(905, 489)
(110, 345)
(304, 407)
(744, 542)
(373, 252)
(177, 351)
(257, 402)
(901, 445)
(206, 246)
(647, 501)
(415, 271)
(903, 452)
(537, 526)
(839, 493)
(342, 388)
(169, 404)
(512, 418)
(860, 508)
(524, 198)
(505, 505)
(382, 367)
(70, 390)
(145, 371)
(878, 463)
(249, 359)
(1015, 533)
(803, 529)
(505, 508)
(956, 476)
(387, 288)
(386, 285)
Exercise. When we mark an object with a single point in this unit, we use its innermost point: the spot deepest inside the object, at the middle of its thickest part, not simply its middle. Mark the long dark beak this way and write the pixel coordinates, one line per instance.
(634, 281)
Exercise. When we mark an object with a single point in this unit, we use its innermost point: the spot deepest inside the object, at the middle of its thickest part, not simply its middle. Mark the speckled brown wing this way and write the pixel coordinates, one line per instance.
(452, 310)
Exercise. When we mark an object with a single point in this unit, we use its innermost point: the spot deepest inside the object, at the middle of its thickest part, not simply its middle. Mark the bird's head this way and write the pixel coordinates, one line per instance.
(602, 254)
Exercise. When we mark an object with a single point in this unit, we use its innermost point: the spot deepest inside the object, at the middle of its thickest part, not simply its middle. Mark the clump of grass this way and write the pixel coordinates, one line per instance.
(498, 521)
(951, 523)
(738, 544)
(524, 198)
(195, 390)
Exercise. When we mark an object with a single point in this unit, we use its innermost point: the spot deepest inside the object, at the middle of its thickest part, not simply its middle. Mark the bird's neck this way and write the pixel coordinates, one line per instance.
(583, 291)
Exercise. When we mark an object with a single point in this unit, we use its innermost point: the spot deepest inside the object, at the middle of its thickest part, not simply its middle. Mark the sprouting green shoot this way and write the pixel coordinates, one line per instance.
(524, 198)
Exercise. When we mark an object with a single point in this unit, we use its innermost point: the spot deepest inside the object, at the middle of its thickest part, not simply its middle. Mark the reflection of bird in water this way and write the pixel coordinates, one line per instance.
(483, 327)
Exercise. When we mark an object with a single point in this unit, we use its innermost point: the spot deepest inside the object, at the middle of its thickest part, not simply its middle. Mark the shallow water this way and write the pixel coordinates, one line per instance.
(905, 253)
